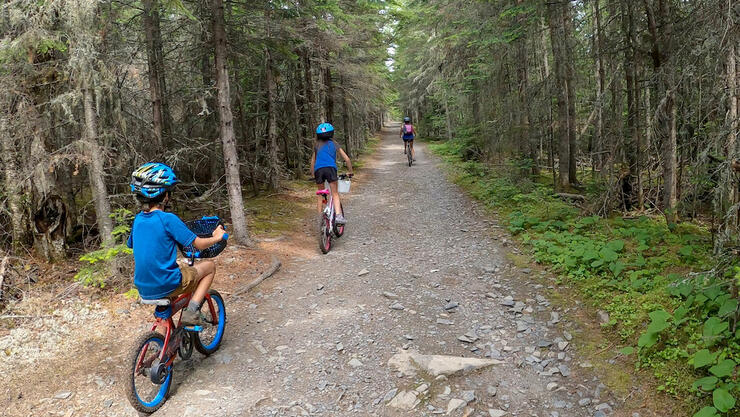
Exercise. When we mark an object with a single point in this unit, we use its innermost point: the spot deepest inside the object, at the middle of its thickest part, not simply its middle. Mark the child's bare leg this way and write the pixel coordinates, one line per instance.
(335, 196)
(206, 273)
(320, 200)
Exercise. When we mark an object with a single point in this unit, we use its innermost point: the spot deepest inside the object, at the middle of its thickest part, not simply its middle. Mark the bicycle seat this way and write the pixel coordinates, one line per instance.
(323, 192)
(159, 302)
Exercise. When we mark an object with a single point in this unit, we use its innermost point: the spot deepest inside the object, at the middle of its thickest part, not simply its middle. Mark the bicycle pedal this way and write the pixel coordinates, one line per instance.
(193, 328)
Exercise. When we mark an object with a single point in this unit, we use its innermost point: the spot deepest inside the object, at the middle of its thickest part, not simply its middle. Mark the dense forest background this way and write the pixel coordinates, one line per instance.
(228, 93)
(638, 98)
(603, 132)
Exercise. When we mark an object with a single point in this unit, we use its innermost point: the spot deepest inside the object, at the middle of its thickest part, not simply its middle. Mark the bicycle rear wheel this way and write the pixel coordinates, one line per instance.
(324, 235)
(147, 392)
(408, 154)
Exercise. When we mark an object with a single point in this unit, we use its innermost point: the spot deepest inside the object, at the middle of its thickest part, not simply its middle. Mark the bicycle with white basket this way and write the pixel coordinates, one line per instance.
(328, 229)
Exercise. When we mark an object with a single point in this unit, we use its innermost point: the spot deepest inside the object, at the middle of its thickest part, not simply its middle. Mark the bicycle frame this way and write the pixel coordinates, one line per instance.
(329, 209)
(171, 329)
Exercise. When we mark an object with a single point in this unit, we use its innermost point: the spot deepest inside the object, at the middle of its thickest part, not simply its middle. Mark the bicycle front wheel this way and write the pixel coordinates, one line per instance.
(339, 228)
(149, 381)
(325, 235)
(209, 339)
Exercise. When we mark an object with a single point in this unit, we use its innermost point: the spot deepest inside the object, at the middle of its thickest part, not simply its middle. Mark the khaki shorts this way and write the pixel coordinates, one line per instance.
(189, 281)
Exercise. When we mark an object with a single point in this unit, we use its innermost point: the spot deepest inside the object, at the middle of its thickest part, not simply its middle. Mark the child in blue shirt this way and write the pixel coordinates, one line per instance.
(324, 166)
(154, 238)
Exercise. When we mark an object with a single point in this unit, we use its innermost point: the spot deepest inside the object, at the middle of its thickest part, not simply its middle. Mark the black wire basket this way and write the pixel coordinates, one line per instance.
(204, 227)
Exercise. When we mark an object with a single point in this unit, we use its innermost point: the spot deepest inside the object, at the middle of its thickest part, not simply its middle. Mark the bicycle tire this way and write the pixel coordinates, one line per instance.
(324, 235)
(209, 348)
(339, 229)
(408, 154)
(131, 392)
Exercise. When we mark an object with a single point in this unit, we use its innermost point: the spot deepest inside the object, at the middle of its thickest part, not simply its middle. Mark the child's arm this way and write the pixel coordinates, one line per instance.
(346, 160)
(206, 242)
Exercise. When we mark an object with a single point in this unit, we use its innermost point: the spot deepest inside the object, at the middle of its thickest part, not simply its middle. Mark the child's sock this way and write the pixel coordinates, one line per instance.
(193, 305)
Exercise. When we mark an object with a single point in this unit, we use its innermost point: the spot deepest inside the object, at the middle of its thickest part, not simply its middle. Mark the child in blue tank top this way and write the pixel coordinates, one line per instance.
(324, 165)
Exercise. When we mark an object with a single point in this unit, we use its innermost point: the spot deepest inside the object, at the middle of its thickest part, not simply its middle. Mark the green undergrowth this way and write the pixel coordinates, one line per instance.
(670, 306)
(272, 215)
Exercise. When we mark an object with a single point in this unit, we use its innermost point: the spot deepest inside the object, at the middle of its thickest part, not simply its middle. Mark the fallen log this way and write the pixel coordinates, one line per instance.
(574, 197)
(263, 276)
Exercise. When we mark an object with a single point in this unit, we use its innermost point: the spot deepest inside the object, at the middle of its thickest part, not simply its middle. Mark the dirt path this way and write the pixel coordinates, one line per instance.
(418, 269)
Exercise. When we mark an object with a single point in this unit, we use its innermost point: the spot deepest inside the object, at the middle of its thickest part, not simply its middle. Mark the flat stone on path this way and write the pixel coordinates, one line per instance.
(409, 362)
(63, 395)
(355, 363)
(404, 400)
(455, 404)
(363, 272)
(508, 301)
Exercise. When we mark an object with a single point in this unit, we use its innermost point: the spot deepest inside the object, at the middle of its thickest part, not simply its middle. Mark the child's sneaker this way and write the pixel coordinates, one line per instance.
(193, 318)
(340, 219)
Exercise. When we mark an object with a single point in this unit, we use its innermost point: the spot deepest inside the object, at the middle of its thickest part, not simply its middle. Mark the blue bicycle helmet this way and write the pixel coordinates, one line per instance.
(152, 180)
(407, 119)
(325, 131)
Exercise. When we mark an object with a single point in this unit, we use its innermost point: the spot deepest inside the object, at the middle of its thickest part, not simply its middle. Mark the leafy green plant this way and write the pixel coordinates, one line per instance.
(99, 262)
(673, 320)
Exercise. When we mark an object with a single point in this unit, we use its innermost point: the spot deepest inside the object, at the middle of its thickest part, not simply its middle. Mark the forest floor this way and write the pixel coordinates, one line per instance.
(422, 270)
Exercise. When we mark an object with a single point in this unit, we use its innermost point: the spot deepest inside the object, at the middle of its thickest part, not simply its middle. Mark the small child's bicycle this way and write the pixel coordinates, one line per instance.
(328, 229)
(153, 354)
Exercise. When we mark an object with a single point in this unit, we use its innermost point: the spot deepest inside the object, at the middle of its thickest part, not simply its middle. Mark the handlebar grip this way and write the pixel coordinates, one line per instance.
(226, 236)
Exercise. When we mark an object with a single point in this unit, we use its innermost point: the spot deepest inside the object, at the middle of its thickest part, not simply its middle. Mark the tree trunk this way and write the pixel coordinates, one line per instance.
(448, 120)
(554, 15)
(570, 80)
(526, 144)
(12, 186)
(310, 96)
(632, 130)
(297, 130)
(727, 195)
(157, 86)
(601, 78)
(271, 123)
(95, 168)
(669, 161)
(345, 117)
(226, 118)
(329, 102)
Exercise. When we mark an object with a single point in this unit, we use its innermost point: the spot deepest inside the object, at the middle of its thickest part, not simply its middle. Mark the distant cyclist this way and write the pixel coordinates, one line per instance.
(324, 165)
(407, 134)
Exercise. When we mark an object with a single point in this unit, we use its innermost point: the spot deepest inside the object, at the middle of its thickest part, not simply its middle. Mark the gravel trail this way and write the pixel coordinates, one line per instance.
(419, 270)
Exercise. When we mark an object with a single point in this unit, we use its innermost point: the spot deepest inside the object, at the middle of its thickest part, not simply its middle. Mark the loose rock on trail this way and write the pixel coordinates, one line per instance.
(415, 311)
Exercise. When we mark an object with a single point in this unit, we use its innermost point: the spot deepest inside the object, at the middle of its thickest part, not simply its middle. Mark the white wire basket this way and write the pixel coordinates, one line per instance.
(343, 186)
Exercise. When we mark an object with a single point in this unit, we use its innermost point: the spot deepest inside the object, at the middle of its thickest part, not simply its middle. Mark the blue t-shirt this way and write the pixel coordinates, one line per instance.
(326, 155)
(153, 238)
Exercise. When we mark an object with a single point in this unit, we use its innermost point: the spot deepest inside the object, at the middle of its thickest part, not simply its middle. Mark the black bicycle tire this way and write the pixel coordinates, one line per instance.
(324, 236)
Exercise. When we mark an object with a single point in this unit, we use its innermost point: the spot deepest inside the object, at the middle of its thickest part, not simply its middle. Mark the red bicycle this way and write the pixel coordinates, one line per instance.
(154, 352)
